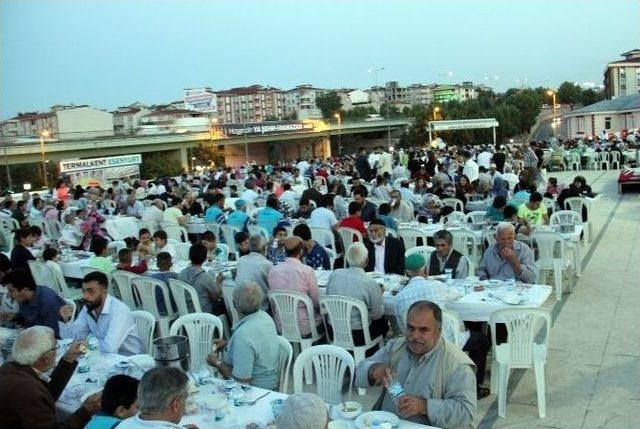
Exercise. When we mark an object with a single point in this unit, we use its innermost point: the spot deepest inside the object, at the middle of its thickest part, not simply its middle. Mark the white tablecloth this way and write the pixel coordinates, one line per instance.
(73, 268)
(472, 306)
(196, 226)
(121, 227)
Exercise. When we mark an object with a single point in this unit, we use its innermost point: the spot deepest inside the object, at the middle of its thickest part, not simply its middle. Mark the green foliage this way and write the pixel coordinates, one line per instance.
(329, 104)
(358, 112)
(393, 111)
(570, 93)
(156, 164)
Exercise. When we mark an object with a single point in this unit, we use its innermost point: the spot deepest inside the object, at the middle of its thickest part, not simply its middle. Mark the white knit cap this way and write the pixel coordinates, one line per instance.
(302, 411)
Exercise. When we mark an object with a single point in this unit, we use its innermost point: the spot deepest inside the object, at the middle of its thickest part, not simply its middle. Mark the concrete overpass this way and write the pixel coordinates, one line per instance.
(316, 143)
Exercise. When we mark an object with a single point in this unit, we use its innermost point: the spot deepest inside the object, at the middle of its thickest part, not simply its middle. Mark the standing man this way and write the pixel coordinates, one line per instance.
(362, 165)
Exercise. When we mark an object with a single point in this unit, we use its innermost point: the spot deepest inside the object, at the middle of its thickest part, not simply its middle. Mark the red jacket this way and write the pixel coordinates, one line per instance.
(354, 222)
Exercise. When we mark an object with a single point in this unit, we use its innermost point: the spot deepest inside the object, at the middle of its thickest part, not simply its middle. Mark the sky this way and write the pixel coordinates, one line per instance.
(113, 53)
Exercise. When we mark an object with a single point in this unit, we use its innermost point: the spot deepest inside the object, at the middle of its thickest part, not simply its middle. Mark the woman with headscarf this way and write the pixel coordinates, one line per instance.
(500, 187)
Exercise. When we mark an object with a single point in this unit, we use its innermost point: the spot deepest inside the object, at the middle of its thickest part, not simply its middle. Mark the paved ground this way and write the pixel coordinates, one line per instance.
(593, 370)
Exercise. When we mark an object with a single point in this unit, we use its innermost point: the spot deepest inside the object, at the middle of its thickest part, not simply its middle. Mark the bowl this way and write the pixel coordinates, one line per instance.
(349, 410)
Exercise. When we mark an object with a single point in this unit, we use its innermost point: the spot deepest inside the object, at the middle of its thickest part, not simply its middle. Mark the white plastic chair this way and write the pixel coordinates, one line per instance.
(324, 236)
(175, 232)
(614, 159)
(213, 227)
(285, 306)
(146, 289)
(603, 162)
(329, 364)
(200, 329)
(115, 246)
(60, 285)
(452, 327)
(551, 257)
(574, 161)
(455, 203)
(577, 204)
(520, 351)
(477, 217)
(284, 363)
(488, 237)
(184, 294)
(145, 325)
(151, 225)
(259, 230)
(227, 294)
(229, 233)
(349, 236)
(182, 250)
(594, 161)
(338, 310)
(425, 251)
(562, 217)
(410, 235)
(453, 217)
(122, 282)
(40, 273)
(51, 229)
(464, 241)
(73, 306)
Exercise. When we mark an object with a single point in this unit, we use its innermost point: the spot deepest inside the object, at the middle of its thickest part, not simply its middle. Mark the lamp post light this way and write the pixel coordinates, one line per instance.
(435, 113)
(337, 116)
(553, 98)
(44, 134)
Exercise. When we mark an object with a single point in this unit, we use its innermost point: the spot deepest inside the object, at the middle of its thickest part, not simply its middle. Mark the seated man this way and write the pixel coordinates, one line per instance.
(38, 304)
(252, 355)
(20, 254)
(354, 283)
(384, 211)
(242, 243)
(419, 288)
(276, 252)
(173, 214)
(495, 212)
(255, 267)
(508, 258)
(446, 257)
(367, 209)
(161, 244)
(437, 377)
(125, 262)
(164, 273)
(162, 393)
(269, 217)
(304, 210)
(293, 275)
(386, 253)
(207, 286)
(101, 260)
(214, 253)
(134, 207)
(105, 317)
(215, 211)
(28, 395)
(315, 255)
(239, 217)
(118, 402)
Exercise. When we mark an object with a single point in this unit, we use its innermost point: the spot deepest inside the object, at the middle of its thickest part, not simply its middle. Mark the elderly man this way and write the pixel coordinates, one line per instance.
(508, 258)
(104, 316)
(419, 288)
(446, 257)
(255, 267)
(437, 377)
(353, 282)
(28, 395)
(252, 355)
(314, 416)
(162, 396)
(134, 207)
(292, 275)
(386, 253)
(154, 213)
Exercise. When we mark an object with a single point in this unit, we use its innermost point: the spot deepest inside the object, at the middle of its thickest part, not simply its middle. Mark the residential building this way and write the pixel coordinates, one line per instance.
(395, 94)
(376, 96)
(126, 119)
(254, 103)
(300, 102)
(418, 94)
(63, 122)
(623, 77)
(612, 116)
(446, 93)
(167, 115)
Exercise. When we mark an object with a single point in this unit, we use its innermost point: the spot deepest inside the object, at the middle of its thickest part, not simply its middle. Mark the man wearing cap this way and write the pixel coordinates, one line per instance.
(292, 275)
(386, 253)
(419, 288)
(239, 217)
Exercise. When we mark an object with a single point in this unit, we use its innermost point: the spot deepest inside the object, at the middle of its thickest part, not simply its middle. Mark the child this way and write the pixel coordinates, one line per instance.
(242, 243)
(125, 259)
(119, 402)
(50, 257)
(164, 273)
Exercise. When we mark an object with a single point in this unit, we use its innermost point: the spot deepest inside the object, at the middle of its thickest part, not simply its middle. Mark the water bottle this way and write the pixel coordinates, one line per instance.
(395, 389)
(448, 272)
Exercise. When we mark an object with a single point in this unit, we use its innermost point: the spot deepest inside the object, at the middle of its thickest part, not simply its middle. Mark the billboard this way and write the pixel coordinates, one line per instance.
(264, 128)
(98, 171)
(200, 100)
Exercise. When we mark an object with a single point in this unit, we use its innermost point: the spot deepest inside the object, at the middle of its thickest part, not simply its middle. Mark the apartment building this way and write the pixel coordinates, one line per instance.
(126, 119)
(622, 77)
(300, 102)
(62, 122)
(254, 103)
(446, 93)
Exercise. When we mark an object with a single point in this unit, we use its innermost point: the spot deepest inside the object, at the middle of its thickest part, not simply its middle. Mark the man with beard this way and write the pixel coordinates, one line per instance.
(105, 317)
(436, 377)
(386, 253)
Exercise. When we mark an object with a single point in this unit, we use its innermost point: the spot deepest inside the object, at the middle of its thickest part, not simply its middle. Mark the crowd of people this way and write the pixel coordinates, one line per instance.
(369, 192)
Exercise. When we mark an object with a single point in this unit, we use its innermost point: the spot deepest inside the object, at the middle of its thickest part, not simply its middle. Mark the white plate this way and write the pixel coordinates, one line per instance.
(365, 420)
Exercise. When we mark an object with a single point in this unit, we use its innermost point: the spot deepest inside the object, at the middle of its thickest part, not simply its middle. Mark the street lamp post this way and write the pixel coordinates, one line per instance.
(337, 116)
(553, 98)
(435, 113)
(43, 135)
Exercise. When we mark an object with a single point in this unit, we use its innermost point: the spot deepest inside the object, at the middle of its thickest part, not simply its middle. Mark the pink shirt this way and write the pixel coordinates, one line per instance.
(293, 275)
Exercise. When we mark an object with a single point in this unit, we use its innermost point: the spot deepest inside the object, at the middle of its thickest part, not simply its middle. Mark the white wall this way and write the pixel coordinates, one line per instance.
(84, 122)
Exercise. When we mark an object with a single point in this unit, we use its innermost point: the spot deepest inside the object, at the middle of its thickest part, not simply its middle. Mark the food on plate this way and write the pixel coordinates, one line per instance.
(478, 288)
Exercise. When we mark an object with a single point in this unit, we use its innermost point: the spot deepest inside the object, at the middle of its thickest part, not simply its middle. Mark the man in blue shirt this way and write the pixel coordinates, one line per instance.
(315, 255)
(239, 217)
(269, 217)
(38, 305)
(215, 212)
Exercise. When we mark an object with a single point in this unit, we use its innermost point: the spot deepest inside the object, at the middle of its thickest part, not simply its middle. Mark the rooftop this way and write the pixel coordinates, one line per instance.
(620, 104)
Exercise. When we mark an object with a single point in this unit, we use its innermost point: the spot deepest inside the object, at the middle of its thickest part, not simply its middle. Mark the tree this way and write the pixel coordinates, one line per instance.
(358, 112)
(393, 110)
(589, 96)
(569, 93)
(329, 104)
